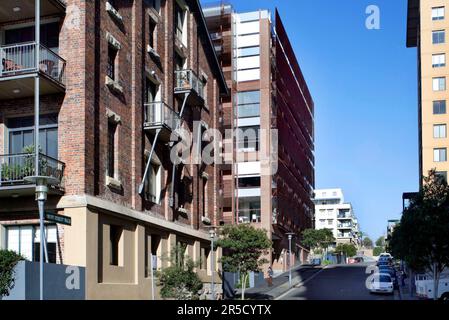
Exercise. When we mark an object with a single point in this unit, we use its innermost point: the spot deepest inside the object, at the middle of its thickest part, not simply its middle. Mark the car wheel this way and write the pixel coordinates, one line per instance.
(445, 297)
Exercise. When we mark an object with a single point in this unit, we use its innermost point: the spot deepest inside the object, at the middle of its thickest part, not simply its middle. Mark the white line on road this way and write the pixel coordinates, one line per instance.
(300, 284)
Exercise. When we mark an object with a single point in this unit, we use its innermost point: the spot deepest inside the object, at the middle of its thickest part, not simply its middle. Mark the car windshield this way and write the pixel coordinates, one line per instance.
(384, 278)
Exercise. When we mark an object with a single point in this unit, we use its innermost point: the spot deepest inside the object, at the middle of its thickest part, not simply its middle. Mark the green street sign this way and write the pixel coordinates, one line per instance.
(57, 218)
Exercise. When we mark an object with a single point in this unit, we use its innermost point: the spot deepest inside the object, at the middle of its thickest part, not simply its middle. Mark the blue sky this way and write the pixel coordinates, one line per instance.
(364, 84)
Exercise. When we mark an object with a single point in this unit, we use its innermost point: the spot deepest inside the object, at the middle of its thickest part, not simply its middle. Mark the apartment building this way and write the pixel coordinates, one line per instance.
(333, 213)
(269, 174)
(427, 30)
(115, 80)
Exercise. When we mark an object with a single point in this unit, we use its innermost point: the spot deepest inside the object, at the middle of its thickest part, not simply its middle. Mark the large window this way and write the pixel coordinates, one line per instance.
(439, 60)
(116, 254)
(180, 17)
(438, 13)
(249, 182)
(112, 128)
(439, 84)
(439, 107)
(249, 210)
(112, 55)
(248, 139)
(248, 104)
(248, 52)
(25, 240)
(154, 183)
(440, 155)
(49, 35)
(21, 135)
(438, 37)
(439, 131)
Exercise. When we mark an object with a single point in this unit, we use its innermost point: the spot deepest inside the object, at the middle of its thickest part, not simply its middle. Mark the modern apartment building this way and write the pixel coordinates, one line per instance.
(269, 173)
(115, 80)
(333, 213)
(427, 30)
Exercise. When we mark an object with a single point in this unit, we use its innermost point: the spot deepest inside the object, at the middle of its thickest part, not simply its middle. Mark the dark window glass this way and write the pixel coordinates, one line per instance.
(439, 107)
(151, 91)
(250, 182)
(112, 54)
(115, 234)
(442, 174)
(51, 251)
(152, 34)
(248, 138)
(49, 35)
(438, 37)
(111, 149)
(179, 21)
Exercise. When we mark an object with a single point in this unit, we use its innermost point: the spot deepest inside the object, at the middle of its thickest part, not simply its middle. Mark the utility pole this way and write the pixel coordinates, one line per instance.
(212, 263)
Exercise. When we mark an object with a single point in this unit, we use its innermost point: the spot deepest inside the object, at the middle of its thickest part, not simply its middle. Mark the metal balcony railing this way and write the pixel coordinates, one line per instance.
(21, 58)
(159, 114)
(14, 168)
(188, 80)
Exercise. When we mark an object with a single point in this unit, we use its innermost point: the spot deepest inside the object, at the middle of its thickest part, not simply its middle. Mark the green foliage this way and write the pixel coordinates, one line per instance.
(243, 247)
(367, 242)
(317, 239)
(327, 262)
(22, 167)
(422, 237)
(348, 249)
(179, 281)
(8, 261)
(377, 251)
(380, 242)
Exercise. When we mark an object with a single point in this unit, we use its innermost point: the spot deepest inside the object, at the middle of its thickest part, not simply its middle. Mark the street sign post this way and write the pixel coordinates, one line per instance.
(57, 218)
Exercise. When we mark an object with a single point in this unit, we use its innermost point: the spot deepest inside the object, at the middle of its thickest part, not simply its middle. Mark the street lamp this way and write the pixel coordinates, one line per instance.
(290, 237)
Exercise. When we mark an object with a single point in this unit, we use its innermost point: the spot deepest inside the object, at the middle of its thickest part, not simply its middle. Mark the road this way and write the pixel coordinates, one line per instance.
(342, 282)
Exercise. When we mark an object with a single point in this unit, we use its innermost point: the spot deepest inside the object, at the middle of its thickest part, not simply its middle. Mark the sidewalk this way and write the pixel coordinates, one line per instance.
(280, 283)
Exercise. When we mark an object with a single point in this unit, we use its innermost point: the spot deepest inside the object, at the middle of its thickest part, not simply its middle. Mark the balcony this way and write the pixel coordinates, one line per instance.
(19, 66)
(344, 226)
(249, 216)
(159, 116)
(14, 168)
(24, 9)
(187, 81)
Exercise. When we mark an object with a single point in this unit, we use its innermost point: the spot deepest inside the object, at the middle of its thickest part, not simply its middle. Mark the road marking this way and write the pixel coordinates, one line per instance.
(299, 285)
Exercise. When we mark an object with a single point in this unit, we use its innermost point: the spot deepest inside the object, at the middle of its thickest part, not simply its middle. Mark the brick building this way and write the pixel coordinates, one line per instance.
(117, 78)
(269, 176)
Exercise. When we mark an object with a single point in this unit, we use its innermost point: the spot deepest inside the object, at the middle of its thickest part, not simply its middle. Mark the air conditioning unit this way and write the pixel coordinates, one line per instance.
(206, 220)
(153, 52)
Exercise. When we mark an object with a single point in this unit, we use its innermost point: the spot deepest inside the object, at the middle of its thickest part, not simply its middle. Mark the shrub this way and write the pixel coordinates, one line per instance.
(8, 261)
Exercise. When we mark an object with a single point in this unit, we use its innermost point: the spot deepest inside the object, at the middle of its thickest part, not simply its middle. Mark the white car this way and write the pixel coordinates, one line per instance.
(382, 283)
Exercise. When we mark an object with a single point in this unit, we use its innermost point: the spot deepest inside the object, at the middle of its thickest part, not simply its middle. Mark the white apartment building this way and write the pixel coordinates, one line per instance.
(332, 212)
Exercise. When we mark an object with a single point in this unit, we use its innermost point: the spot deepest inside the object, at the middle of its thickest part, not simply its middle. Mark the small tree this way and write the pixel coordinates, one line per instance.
(8, 261)
(422, 239)
(318, 240)
(367, 243)
(377, 251)
(179, 281)
(347, 249)
(243, 247)
(380, 242)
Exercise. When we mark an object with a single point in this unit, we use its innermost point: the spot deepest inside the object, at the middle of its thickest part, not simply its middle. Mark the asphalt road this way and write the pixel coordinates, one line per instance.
(346, 282)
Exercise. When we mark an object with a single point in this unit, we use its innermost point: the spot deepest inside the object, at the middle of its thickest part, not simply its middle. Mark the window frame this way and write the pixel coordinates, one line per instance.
(441, 105)
(438, 33)
(436, 10)
(438, 133)
(437, 155)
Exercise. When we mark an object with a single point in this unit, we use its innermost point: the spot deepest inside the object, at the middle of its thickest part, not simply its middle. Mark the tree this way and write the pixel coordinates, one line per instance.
(179, 281)
(421, 238)
(367, 242)
(318, 240)
(243, 247)
(377, 251)
(8, 261)
(380, 242)
(349, 250)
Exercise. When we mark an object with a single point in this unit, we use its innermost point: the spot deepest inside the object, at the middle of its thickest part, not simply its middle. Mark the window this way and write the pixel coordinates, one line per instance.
(249, 210)
(205, 253)
(180, 16)
(25, 240)
(21, 134)
(155, 4)
(438, 36)
(112, 55)
(439, 131)
(249, 182)
(115, 236)
(152, 35)
(179, 62)
(248, 139)
(112, 128)
(439, 60)
(151, 91)
(442, 174)
(248, 52)
(248, 104)
(439, 84)
(204, 197)
(330, 222)
(154, 183)
(440, 155)
(439, 107)
(49, 35)
(438, 13)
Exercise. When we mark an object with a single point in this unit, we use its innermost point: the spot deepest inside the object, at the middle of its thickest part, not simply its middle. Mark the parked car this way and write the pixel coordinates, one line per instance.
(382, 283)
(392, 273)
(383, 263)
